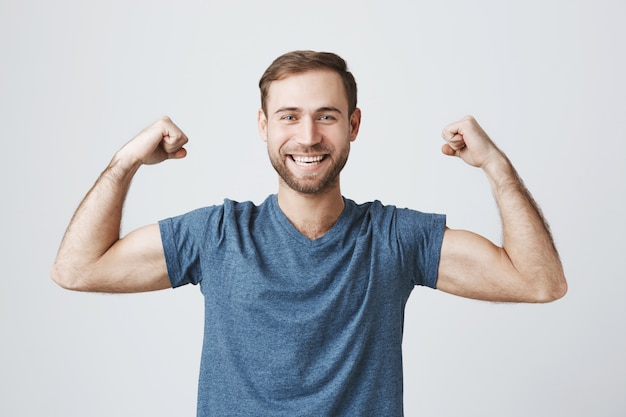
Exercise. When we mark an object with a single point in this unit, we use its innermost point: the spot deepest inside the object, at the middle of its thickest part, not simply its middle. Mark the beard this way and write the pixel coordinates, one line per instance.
(316, 183)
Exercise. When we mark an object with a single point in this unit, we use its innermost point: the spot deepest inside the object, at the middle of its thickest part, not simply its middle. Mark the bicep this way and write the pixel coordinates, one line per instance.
(472, 266)
(135, 263)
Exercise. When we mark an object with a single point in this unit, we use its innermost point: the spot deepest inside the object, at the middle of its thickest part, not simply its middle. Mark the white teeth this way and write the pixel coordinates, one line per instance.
(307, 159)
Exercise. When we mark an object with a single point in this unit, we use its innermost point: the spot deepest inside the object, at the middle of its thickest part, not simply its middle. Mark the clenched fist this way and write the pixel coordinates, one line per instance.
(160, 141)
(467, 140)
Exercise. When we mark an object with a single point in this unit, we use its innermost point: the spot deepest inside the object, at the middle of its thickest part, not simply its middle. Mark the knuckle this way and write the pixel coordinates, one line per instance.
(162, 122)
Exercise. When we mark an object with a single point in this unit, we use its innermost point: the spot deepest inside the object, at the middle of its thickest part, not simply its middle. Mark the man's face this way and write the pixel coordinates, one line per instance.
(308, 130)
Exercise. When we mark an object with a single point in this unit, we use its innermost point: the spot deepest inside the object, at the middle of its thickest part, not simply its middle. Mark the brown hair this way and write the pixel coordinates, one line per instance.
(297, 62)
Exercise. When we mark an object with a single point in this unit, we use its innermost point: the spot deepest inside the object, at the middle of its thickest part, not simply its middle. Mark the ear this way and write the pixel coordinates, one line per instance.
(355, 123)
(262, 124)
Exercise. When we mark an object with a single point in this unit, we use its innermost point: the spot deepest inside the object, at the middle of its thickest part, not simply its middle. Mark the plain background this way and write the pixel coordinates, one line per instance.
(545, 78)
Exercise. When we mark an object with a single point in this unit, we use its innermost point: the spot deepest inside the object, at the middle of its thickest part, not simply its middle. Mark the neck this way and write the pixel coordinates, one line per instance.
(313, 215)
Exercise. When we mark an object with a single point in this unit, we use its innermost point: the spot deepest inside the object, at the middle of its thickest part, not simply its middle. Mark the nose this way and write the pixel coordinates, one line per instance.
(308, 133)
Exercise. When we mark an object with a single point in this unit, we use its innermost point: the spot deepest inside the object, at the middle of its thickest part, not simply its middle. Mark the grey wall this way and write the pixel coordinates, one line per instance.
(545, 78)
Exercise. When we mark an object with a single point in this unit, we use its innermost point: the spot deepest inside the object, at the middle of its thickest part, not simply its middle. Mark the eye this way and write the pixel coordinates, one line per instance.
(326, 118)
(288, 118)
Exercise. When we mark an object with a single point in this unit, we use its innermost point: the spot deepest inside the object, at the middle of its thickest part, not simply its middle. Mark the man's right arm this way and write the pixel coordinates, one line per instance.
(92, 256)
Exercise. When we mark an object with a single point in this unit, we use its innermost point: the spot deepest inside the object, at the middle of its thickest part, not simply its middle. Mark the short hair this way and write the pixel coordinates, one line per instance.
(297, 62)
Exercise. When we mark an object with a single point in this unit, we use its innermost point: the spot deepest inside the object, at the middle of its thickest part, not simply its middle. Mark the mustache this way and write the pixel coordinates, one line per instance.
(304, 150)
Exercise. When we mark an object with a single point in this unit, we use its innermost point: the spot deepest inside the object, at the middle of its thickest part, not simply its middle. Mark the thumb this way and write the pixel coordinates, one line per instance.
(447, 150)
(179, 154)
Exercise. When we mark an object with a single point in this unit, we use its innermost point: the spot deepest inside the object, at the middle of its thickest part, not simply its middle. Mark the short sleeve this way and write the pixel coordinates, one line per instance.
(420, 236)
(184, 238)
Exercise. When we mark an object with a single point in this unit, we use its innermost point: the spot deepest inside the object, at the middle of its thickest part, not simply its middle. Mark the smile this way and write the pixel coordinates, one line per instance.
(307, 160)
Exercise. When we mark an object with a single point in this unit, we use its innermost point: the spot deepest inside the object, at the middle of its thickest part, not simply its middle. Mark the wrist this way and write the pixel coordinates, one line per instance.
(123, 165)
(499, 169)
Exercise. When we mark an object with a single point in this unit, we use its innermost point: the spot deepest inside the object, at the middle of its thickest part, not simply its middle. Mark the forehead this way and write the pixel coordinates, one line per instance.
(313, 89)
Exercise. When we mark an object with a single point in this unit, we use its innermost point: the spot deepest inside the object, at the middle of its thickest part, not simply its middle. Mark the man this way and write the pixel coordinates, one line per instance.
(305, 293)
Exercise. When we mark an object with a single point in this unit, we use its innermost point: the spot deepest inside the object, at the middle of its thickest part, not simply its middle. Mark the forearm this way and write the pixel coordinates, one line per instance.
(95, 226)
(527, 239)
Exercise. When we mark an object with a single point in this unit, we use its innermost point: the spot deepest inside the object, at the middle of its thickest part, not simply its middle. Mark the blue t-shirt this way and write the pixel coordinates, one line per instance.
(300, 327)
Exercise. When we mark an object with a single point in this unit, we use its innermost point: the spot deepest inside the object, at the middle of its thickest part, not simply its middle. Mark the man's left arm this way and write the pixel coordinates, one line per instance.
(527, 267)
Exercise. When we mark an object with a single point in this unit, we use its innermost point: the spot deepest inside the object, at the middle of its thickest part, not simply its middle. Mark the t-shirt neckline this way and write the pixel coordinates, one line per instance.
(334, 231)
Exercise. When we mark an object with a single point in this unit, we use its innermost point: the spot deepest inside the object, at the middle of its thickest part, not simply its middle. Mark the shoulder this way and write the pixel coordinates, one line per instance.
(217, 217)
(374, 209)
(228, 207)
(377, 210)
(404, 225)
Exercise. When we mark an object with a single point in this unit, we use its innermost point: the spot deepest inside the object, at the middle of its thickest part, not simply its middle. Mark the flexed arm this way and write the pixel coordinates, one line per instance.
(92, 257)
(527, 267)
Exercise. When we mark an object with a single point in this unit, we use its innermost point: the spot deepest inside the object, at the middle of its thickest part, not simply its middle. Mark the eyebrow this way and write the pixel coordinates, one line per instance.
(324, 109)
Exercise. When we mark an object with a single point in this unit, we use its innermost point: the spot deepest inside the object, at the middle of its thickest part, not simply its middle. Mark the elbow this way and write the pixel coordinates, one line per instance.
(551, 295)
(560, 290)
(552, 291)
(68, 278)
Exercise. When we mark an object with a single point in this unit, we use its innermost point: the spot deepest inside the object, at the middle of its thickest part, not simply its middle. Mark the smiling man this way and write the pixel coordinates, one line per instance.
(308, 125)
(305, 293)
